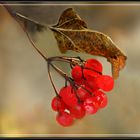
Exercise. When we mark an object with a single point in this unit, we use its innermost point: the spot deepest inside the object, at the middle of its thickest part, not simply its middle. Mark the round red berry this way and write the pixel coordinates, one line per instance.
(104, 82)
(68, 96)
(64, 119)
(94, 64)
(57, 104)
(76, 72)
(90, 82)
(90, 73)
(83, 93)
(77, 111)
(101, 99)
(90, 106)
(104, 102)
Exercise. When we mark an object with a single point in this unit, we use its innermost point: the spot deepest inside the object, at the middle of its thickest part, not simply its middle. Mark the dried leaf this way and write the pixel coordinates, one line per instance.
(69, 36)
(71, 33)
(70, 20)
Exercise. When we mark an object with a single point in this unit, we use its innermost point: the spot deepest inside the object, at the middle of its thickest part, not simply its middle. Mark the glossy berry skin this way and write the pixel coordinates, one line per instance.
(68, 96)
(83, 93)
(94, 64)
(104, 102)
(90, 77)
(90, 82)
(90, 106)
(101, 99)
(104, 82)
(90, 73)
(76, 73)
(64, 119)
(57, 104)
(78, 111)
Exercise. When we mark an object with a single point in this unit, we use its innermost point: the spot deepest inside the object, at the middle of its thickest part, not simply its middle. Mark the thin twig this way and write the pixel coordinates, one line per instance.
(14, 14)
(50, 77)
(63, 74)
(33, 44)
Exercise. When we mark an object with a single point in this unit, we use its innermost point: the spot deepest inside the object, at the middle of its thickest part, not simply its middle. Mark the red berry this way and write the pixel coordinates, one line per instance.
(105, 82)
(90, 109)
(104, 102)
(101, 99)
(90, 106)
(90, 82)
(68, 96)
(94, 64)
(90, 77)
(57, 104)
(64, 119)
(90, 73)
(76, 73)
(83, 93)
(78, 111)
(82, 97)
(80, 82)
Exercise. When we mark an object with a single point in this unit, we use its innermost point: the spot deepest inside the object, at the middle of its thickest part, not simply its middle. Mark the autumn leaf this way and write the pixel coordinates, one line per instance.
(70, 20)
(72, 33)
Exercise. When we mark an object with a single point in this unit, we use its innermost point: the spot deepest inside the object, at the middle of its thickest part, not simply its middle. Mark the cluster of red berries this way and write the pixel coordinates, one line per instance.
(84, 95)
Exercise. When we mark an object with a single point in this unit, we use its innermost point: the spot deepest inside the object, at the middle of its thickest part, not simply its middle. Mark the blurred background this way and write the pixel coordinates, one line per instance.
(25, 89)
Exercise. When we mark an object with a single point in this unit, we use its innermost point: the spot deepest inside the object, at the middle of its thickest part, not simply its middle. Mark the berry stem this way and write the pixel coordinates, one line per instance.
(65, 83)
(61, 72)
(34, 45)
(75, 89)
(67, 78)
(78, 85)
(70, 60)
(50, 77)
(14, 14)
(82, 68)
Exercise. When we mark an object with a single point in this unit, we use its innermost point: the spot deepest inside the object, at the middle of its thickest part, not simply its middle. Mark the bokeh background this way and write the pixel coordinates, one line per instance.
(25, 89)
